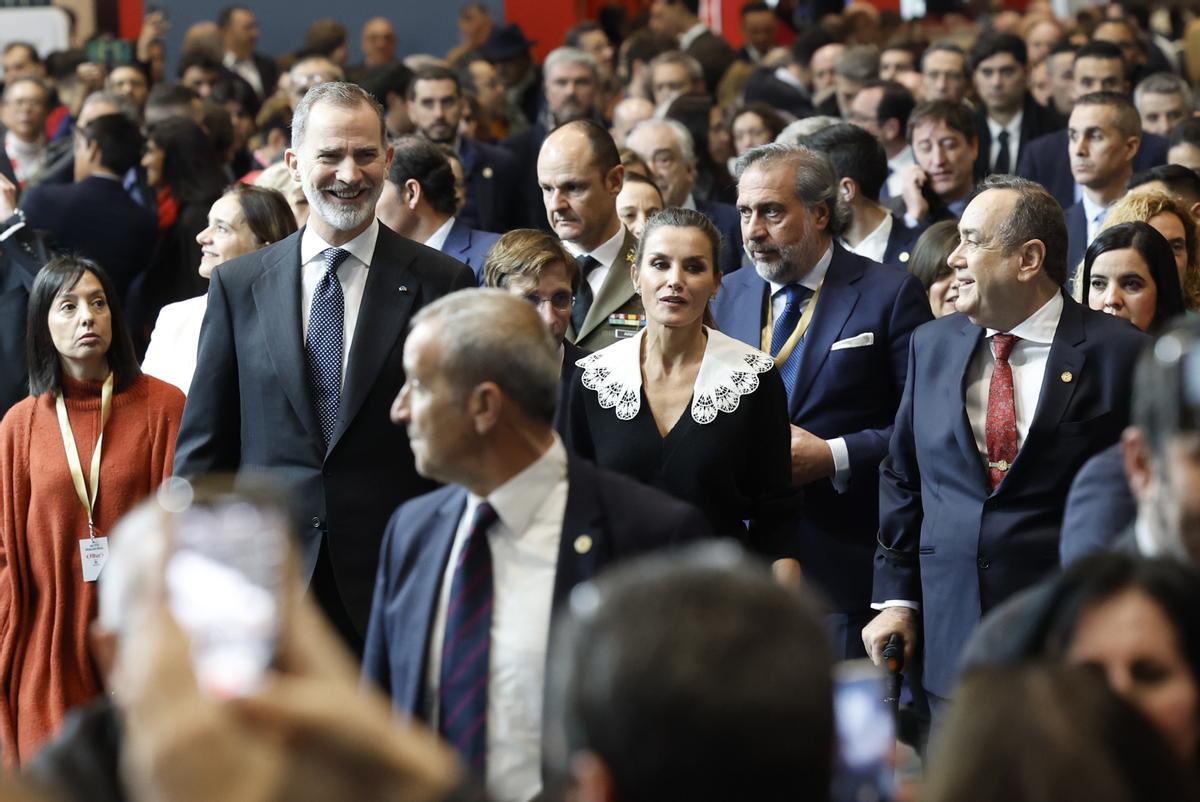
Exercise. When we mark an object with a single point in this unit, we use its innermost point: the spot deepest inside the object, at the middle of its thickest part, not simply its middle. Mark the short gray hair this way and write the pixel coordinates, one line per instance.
(816, 180)
(570, 55)
(858, 63)
(489, 335)
(122, 102)
(694, 69)
(687, 146)
(335, 93)
(1163, 83)
(798, 129)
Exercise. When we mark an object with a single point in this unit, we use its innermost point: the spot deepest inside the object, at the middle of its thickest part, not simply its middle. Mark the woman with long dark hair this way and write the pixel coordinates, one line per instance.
(1129, 271)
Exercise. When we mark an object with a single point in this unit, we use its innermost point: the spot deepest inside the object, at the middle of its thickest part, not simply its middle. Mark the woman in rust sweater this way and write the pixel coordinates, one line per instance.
(94, 437)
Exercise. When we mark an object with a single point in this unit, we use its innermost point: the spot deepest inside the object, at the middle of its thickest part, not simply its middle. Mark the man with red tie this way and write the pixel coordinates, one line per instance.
(1004, 402)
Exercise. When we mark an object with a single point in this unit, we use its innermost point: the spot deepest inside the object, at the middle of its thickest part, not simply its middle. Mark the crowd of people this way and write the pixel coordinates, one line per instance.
(466, 427)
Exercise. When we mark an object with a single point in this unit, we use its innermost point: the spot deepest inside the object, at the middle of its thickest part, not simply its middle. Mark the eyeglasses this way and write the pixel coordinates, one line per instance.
(559, 301)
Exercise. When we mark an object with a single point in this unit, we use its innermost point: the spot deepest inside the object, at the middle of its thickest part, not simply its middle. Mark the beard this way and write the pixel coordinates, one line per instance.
(787, 265)
(342, 217)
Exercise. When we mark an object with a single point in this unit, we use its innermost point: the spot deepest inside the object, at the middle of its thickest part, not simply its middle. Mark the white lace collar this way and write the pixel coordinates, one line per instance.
(728, 371)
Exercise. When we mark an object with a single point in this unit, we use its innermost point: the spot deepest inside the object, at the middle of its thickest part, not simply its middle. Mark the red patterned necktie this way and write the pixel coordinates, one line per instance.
(1001, 428)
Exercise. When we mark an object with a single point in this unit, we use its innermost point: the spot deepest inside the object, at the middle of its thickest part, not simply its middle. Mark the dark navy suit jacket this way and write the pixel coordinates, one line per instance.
(726, 219)
(901, 241)
(469, 246)
(492, 177)
(530, 211)
(1047, 162)
(946, 540)
(1100, 506)
(1077, 240)
(851, 392)
(572, 353)
(622, 517)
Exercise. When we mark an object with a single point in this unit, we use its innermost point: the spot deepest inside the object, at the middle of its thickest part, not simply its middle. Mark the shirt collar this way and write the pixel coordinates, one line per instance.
(361, 247)
(881, 233)
(1013, 127)
(690, 203)
(788, 77)
(438, 238)
(1091, 209)
(691, 34)
(607, 253)
(814, 277)
(518, 500)
(1041, 325)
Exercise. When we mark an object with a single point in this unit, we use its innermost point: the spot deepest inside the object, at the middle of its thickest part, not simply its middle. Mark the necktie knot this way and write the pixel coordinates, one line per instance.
(1003, 137)
(485, 516)
(1004, 344)
(587, 263)
(334, 258)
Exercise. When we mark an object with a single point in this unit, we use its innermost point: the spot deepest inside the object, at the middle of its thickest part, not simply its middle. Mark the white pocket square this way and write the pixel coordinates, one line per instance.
(858, 341)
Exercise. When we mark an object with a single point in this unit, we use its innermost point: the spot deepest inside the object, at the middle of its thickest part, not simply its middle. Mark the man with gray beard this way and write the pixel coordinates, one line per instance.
(301, 350)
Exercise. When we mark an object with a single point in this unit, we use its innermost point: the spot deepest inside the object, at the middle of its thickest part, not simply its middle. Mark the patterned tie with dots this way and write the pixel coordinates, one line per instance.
(324, 346)
(1000, 430)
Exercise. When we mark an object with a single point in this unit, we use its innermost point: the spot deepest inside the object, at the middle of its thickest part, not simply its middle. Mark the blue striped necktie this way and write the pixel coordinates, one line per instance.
(797, 298)
(462, 688)
(326, 321)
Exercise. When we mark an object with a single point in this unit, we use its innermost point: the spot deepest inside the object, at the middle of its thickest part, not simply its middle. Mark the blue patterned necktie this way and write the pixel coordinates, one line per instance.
(466, 646)
(797, 298)
(326, 321)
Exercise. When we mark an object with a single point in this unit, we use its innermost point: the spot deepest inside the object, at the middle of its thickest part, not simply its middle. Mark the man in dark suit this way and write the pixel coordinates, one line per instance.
(838, 326)
(435, 107)
(1105, 133)
(239, 28)
(535, 266)
(300, 354)
(870, 229)
(668, 148)
(95, 216)
(1098, 67)
(945, 144)
(571, 81)
(418, 201)
(469, 574)
(1008, 118)
(681, 19)
(581, 174)
(23, 251)
(972, 490)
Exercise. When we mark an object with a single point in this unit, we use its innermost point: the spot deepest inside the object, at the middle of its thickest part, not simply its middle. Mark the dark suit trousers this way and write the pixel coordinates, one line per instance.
(325, 591)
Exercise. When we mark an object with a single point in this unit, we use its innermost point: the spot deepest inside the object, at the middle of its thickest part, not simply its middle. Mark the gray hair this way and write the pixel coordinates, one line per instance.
(122, 102)
(570, 55)
(694, 70)
(1163, 83)
(816, 179)
(336, 93)
(523, 362)
(1035, 216)
(858, 63)
(687, 146)
(797, 130)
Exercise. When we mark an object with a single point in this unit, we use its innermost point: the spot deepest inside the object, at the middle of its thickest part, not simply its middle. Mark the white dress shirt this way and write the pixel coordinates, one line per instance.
(607, 254)
(352, 275)
(438, 238)
(1027, 359)
(896, 167)
(530, 508)
(171, 355)
(874, 245)
(692, 34)
(247, 69)
(1014, 140)
(837, 445)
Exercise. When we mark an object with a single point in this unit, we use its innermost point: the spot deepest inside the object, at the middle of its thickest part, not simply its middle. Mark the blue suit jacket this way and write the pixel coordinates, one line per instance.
(1077, 241)
(726, 219)
(1046, 160)
(946, 539)
(1100, 506)
(850, 393)
(622, 517)
(492, 179)
(469, 246)
(900, 242)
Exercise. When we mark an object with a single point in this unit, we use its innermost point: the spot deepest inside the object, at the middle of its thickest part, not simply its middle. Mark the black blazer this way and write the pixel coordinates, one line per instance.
(572, 353)
(946, 539)
(21, 256)
(715, 56)
(249, 408)
(1047, 162)
(524, 149)
(621, 517)
(1077, 241)
(492, 176)
(1036, 121)
(901, 241)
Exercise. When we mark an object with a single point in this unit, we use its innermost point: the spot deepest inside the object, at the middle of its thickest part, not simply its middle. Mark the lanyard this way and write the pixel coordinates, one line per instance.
(64, 425)
(801, 327)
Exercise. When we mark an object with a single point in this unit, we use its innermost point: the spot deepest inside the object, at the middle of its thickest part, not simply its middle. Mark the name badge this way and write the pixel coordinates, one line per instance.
(624, 326)
(93, 553)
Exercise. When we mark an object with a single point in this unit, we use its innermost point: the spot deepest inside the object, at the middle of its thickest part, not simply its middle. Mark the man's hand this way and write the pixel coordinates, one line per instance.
(154, 27)
(8, 198)
(891, 621)
(913, 181)
(811, 457)
(787, 572)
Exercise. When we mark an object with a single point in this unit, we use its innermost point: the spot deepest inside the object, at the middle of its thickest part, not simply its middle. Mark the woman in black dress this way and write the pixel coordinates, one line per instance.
(683, 407)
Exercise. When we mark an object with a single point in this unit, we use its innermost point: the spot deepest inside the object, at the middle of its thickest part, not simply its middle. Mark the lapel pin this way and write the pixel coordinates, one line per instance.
(1066, 376)
(583, 544)
(487, 172)
(904, 256)
(403, 288)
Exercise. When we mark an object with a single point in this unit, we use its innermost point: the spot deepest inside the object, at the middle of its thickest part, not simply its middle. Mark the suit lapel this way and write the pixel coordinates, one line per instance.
(582, 532)
(458, 241)
(277, 299)
(428, 573)
(1057, 389)
(746, 300)
(958, 363)
(387, 300)
(834, 305)
(616, 290)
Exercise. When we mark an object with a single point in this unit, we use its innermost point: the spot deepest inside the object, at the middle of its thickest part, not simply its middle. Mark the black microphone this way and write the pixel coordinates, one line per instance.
(893, 659)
